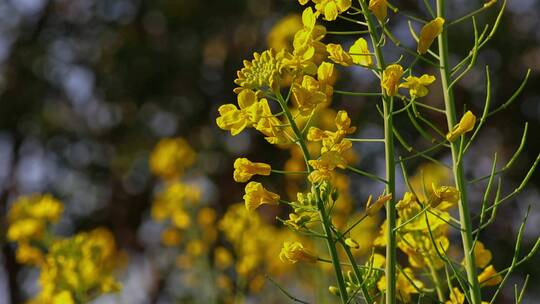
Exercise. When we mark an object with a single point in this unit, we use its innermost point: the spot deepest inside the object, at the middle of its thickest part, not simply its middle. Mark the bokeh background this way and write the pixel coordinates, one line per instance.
(87, 88)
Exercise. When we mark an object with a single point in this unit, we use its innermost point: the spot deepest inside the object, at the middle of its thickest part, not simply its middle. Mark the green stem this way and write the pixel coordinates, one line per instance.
(464, 213)
(436, 282)
(390, 165)
(332, 248)
(320, 204)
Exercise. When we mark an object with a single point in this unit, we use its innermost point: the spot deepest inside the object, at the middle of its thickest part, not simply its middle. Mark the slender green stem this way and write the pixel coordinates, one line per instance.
(320, 203)
(332, 248)
(436, 282)
(289, 172)
(366, 139)
(471, 14)
(367, 174)
(356, 93)
(464, 213)
(390, 164)
(346, 32)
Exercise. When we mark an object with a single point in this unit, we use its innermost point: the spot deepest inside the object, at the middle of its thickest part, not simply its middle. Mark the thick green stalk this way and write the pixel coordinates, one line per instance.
(457, 165)
(320, 205)
(390, 164)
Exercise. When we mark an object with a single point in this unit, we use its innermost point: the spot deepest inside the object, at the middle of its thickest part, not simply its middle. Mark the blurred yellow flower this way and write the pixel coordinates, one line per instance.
(456, 297)
(489, 277)
(482, 256)
(26, 229)
(206, 216)
(282, 33)
(428, 33)
(26, 254)
(223, 259)
(171, 237)
(406, 283)
(63, 297)
(171, 157)
(82, 266)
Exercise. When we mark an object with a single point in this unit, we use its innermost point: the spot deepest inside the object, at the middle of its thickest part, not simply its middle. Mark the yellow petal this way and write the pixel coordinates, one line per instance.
(429, 32)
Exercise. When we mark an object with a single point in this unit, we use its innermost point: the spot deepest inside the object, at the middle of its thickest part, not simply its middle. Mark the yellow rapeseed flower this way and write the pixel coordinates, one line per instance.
(360, 53)
(429, 32)
(40, 207)
(325, 165)
(443, 197)
(330, 9)
(379, 8)
(457, 297)
(294, 252)
(338, 55)
(173, 199)
(390, 79)
(334, 141)
(80, 265)
(171, 237)
(171, 157)
(260, 73)
(282, 33)
(489, 277)
(326, 78)
(63, 297)
(236, 120)
(26, 229)
(466, 124)
(482, 255)
(308, 95)
(223, 259)
(417, 85)
(308, 49)
(244, 169)
(270, 125)
(373, 208)
(256, 195)
(404, 283)
(27, 254)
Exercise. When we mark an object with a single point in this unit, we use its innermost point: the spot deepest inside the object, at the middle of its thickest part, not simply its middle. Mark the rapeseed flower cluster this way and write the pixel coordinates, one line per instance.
(72, 269)
(286, 93)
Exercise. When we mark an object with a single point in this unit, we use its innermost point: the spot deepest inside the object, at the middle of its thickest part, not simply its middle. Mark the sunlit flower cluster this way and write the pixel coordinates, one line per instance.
(287, 93)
